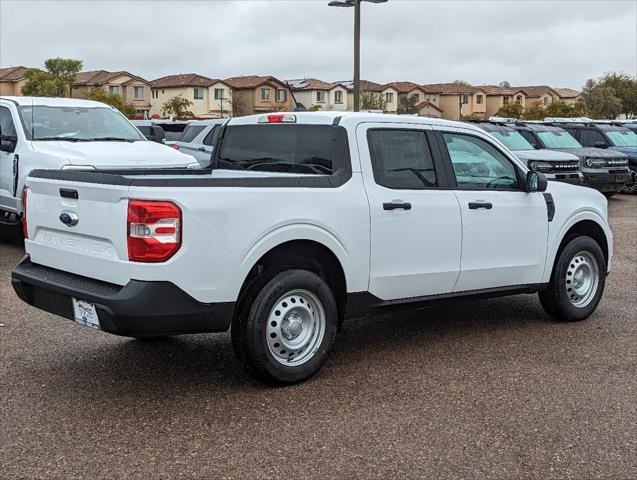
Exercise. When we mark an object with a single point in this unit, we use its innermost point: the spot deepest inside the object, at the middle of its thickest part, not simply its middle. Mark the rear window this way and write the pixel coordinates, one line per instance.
(191, 132)
(306, 149)
(173, 130)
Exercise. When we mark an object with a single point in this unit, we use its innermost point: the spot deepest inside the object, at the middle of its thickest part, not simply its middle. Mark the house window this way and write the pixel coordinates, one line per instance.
(154, 93)
(281, 96)
(218, 93)
(265, 94)
(338, 96)
(198, 93)
(138, 93)
(547, 100)
(518, 99)
(389, 97)
(113, 89)
(320, 97)
(465, 98)
(479, 99)
(505, 99)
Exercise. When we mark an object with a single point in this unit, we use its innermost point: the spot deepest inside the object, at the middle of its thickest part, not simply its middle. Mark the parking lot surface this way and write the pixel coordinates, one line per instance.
(484, 389)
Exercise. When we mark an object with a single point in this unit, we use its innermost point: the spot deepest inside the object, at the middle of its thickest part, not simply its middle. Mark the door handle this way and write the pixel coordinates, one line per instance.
(202, 149)
(476, 205)
(397, 205)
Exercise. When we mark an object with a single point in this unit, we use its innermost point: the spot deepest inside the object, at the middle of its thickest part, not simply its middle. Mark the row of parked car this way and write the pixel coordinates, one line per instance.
(595, 153)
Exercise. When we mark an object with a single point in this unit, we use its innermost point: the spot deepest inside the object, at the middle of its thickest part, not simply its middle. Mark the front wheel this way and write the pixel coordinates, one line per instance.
(577, 282)
(631, 187)
(285, 326)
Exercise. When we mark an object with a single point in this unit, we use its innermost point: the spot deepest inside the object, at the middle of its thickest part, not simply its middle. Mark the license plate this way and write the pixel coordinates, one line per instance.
(85, 313)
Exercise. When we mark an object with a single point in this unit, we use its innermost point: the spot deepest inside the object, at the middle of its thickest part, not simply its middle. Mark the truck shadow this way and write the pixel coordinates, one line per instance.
(204, 365)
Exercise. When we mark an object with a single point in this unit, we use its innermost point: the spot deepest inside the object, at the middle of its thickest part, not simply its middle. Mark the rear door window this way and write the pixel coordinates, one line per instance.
(401, 159)
(306, 149)
(191, 132)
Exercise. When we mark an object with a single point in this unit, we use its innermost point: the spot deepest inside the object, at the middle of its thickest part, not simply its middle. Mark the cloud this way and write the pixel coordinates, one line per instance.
(524, 42)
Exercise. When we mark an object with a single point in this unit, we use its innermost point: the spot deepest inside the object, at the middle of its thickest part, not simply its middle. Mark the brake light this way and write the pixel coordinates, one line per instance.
(154, 230)
(25, 228)
(277, 118)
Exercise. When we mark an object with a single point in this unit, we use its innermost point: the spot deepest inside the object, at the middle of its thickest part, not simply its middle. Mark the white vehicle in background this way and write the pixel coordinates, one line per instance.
(197, 139)
(68, 133)
(303, 220)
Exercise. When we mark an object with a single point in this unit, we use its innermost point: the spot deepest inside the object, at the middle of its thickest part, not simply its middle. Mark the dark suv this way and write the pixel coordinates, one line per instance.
(610, 135)
(603, 169)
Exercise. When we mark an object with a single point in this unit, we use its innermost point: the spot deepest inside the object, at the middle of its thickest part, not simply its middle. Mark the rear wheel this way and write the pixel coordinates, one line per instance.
(577, 282)
(285, 326)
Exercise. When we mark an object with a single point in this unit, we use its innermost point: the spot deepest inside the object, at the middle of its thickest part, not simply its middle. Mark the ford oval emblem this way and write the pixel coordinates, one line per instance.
(70, 219)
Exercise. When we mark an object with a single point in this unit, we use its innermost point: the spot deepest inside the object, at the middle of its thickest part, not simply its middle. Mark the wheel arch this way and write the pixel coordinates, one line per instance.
(313, 250)
(588, 224)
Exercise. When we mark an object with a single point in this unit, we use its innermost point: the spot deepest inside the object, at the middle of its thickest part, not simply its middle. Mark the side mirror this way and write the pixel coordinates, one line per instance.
(8, 143)
(600, 144)
(536, 182)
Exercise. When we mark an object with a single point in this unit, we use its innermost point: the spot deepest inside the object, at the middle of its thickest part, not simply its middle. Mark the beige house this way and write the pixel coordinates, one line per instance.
(12, 80)
(457, 100)
(428, 109)
(568, 95)
(133, 89)
(497, 97)
(409, 89)
(211, 98)
(256, 94)
(539, 93)
(317, 94)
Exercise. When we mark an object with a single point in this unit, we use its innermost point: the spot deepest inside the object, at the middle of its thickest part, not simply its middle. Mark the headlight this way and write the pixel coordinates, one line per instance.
(594, 163)
(540, 166)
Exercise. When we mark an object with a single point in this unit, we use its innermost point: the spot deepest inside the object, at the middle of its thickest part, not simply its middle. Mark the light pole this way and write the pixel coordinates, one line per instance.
(357, 42)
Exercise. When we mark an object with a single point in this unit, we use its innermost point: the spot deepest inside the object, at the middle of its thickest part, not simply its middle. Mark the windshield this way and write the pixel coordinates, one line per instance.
(622, 138)
(191, 131)
(557, 139)
(306, 149)
(77, 124)
(511, 139)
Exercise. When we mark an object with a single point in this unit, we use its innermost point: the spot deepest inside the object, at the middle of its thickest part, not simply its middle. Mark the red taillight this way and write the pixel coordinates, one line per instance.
(25, 228)
(175, 146)
(154, 230)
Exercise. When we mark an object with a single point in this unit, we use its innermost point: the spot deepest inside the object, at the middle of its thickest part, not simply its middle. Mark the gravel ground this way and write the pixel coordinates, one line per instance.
(488, 389)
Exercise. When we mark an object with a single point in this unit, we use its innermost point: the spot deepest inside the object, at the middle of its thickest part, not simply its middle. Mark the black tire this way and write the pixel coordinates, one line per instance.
(555, 299)
(631, 187)
(250, 323)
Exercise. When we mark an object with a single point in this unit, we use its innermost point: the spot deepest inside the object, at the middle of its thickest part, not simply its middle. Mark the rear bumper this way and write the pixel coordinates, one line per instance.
(606, 182)
(138, 309)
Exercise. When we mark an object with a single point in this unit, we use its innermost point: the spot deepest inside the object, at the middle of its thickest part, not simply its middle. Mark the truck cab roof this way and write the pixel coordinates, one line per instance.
(54, 102)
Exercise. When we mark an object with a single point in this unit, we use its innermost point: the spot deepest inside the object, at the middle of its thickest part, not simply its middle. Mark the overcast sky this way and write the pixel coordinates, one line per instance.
(524, 42)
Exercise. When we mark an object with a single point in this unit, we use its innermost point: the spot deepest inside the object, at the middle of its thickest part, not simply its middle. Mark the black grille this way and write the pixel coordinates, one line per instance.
(565, 166)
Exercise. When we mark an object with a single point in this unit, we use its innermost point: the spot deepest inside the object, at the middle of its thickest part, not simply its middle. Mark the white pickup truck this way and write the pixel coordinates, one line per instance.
(68, 133)
(301, 221)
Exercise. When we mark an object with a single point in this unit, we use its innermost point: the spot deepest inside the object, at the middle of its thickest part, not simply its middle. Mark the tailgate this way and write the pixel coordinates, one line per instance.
(96, 246)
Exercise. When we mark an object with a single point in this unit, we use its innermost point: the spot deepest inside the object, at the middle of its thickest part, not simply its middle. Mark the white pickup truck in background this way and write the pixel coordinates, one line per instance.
(68, 133)
(301, 221)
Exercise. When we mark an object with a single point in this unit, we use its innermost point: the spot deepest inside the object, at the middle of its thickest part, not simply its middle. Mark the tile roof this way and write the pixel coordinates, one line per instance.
(448, 88)
(312, 84)
(12, 74)
(536, 90)
(427, 103)
(251, 81)
(184, 80)
(403, 87)
(497, 90)
(102, 77)
(567, 92)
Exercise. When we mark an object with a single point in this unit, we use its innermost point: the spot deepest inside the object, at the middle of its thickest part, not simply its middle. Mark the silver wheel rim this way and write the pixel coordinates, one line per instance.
(296, 326)
(582, 279)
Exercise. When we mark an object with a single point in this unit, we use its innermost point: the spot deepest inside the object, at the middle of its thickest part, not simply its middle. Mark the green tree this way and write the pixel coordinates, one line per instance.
(56, 81)
(112, 99)
(372, 101)
(510, 110)
(505, 84)
(601, 100)
(408, 105)
(625, 87)
(462, 82)
(559, 108)
(177, 107)
(535, 111)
